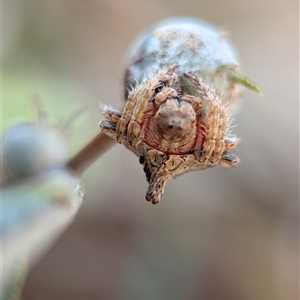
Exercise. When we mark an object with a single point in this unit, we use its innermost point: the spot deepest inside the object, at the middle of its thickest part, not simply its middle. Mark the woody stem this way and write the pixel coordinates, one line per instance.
(90, 153)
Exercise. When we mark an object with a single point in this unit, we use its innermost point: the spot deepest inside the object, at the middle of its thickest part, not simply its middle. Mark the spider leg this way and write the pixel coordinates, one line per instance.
(214, 144)
(111, 113)
(230, 142)
(134, 133)
(109, 128)
(166, 93)
(211, 135)
(201, 132)
(228, 160)
(196, 102)
(222, 129)
(126, 115)
(112, 116)
(138, 103)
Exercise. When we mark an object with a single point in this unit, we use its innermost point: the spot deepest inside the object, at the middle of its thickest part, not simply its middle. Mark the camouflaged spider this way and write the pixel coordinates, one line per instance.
(172, 132)
(174, 120)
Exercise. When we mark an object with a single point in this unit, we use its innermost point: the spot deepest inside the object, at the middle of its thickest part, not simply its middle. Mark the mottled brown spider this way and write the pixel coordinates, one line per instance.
(171, 130)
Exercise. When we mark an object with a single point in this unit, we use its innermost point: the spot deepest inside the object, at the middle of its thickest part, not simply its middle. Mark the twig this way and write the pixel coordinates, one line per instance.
(89, 153)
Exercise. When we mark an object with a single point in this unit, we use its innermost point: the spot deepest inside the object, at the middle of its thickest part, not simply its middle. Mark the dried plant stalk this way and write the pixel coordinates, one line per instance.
(90, 153)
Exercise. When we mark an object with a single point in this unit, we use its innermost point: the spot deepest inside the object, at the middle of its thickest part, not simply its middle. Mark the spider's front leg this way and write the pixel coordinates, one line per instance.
(216, 144)
(116, 126)
(220, 120)
(130, 123)
(131, 118)
(112, 117)
(213, 145)
(227, 159)
(134, 132)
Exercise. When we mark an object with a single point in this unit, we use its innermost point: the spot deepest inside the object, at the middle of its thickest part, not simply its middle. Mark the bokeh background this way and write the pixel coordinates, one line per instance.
(216, 235)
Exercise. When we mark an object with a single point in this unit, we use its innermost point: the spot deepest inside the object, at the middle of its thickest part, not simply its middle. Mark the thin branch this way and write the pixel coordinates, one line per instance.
(90, 153)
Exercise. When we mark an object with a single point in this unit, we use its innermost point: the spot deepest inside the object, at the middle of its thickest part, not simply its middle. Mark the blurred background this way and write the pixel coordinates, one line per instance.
(217, 234)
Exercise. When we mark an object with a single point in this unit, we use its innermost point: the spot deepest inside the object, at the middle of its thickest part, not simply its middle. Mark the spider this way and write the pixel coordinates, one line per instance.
(172, 131)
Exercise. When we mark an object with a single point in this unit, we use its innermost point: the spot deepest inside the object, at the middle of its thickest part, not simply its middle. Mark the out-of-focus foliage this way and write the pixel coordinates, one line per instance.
(35, 212)
(28, 149)
(39, 197)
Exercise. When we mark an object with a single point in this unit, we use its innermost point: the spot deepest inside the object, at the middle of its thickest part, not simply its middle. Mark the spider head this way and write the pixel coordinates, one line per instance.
(175, 120)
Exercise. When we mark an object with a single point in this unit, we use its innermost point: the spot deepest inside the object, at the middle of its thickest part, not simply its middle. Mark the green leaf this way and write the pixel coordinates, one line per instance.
(246, 82)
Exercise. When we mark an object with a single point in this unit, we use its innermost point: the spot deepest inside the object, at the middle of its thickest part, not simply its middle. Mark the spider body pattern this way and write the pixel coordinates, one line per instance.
(178, 117)
(172, 132)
